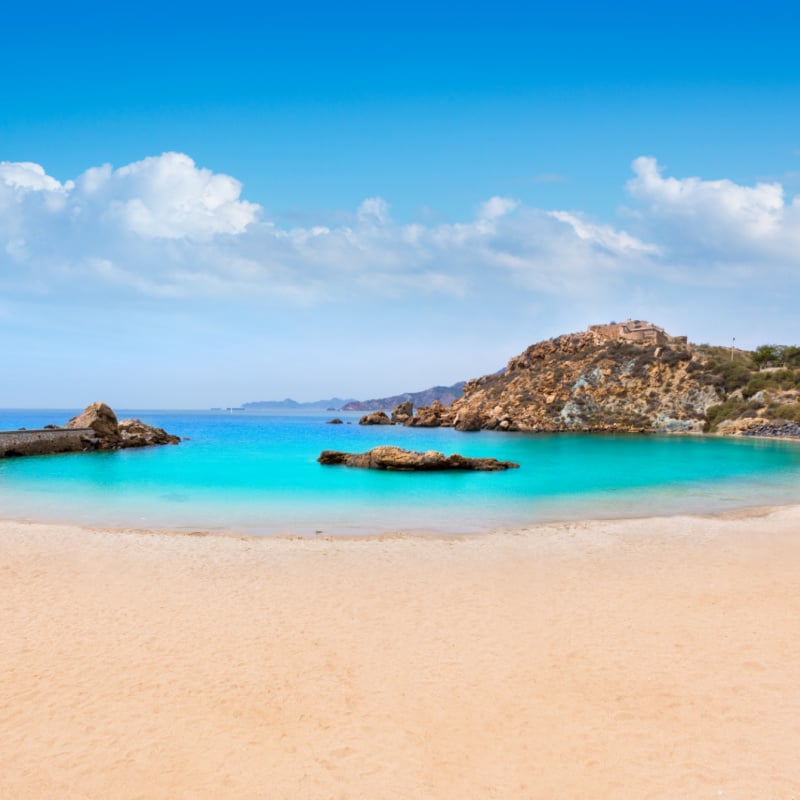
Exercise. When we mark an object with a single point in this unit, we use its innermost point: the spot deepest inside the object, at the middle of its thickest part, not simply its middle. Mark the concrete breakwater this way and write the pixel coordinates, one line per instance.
(44, 441)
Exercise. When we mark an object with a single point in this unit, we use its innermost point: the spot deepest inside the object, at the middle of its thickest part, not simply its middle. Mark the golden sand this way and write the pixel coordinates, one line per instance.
(653, 658)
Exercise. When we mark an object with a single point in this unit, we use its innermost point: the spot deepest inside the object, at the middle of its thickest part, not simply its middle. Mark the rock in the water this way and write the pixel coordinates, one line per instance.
(135, 433)
(334, 421)
(396, 458)
(403, 413)
(468, 420)
(375, 418)
(432, 416)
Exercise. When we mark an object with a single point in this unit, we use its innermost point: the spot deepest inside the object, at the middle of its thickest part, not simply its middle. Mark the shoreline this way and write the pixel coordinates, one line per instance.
(737, 513)
(654, 657)
(277, 531)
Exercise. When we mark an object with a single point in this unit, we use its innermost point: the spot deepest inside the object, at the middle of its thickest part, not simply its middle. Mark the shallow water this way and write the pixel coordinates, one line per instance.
(257, 473)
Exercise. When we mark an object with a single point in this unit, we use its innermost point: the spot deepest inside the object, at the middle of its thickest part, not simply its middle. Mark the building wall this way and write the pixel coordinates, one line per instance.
(636, 331)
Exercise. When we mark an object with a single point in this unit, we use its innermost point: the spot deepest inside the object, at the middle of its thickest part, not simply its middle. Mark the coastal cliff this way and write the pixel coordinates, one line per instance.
(629, 376)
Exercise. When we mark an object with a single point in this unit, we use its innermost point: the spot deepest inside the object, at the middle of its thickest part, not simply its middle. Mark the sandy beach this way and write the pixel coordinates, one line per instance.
(654, 658)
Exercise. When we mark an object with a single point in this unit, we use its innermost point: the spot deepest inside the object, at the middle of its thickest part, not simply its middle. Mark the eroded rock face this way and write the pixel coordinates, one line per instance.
(403, 413)
(375, 418)
(468, 420)
(396, 458)
(433, 416)
(100, 418)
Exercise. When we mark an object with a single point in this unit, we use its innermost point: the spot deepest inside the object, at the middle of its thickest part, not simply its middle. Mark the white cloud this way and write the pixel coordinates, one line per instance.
(497, 207)
(169, 197)
(161, 197)
(165, 227)
(26, 175)
(373, 210)
(715, 221)
(604, 236)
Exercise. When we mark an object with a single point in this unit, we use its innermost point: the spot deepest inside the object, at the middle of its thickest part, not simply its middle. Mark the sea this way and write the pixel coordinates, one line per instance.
(256, 472)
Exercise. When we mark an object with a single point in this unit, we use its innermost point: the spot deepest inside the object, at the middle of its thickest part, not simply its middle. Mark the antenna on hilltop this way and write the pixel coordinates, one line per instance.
(733, 346)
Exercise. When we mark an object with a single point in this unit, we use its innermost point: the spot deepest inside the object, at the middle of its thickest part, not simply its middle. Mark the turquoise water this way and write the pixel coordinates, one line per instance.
(257, 473)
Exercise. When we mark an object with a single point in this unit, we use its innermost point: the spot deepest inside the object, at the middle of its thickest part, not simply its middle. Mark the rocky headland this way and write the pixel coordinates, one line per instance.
(96, 428)
(397, 459)
(630, 376)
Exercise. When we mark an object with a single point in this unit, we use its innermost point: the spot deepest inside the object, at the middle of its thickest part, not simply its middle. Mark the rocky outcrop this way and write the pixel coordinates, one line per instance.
(433, 416)
(101, 419)
(398, 459)
(403, 413)
(111, 434)
(375, 418)
(634, 380)
(135, 433)
(467, 420)
(96, 428)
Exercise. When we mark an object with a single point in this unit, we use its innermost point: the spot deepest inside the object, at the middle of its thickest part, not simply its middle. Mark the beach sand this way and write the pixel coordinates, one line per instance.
(654, 658)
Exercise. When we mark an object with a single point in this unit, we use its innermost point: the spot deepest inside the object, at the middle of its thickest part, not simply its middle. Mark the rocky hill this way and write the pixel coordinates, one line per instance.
(630, 376)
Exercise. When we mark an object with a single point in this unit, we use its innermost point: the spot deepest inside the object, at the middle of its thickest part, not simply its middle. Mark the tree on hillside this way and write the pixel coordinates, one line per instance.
(768, 355)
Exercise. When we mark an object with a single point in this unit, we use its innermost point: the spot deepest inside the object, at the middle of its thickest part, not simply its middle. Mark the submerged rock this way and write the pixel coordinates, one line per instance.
(396, 458)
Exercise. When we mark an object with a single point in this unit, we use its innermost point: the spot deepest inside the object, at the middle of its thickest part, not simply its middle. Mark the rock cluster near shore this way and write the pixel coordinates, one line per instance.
(375, 418)
(781, 429)
(396, 458)
(96, 428)
(113, 434)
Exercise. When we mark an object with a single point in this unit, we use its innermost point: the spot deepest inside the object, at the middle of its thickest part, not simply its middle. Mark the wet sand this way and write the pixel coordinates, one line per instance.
(653, 658)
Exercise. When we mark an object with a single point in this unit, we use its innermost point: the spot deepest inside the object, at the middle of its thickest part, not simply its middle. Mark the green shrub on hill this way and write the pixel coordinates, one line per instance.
(790, 411)
(779, 379)
(730, 409)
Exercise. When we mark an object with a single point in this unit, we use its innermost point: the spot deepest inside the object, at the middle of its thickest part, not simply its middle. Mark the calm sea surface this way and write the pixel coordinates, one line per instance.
(257, 473)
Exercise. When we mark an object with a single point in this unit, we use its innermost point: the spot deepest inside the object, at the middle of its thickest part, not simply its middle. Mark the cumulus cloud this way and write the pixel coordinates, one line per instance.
(165, 227)
(716, 221)
(162, 197)
(168, 197)
(28, 176)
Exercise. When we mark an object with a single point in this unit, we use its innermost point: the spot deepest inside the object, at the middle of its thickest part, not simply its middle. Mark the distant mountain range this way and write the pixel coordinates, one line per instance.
(442, 394)
(445, 395)
(332, 404)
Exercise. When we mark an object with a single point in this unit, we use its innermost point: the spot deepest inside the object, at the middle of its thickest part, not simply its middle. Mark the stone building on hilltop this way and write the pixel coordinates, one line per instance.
(635, 331)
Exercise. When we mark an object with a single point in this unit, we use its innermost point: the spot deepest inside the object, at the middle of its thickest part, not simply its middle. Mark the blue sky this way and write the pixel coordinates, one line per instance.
(204, 207)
